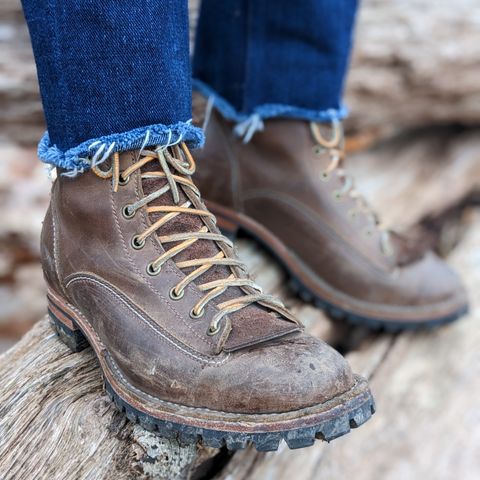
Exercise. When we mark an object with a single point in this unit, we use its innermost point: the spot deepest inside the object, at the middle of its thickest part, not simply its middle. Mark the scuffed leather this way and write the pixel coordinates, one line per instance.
(151, 338)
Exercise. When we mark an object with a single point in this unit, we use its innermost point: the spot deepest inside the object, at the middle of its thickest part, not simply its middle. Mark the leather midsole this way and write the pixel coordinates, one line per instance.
(354, 398)
(231, 221)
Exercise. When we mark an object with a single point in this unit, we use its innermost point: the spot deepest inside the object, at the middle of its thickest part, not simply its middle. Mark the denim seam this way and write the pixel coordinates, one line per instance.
(57, 56)
(92, 152)
(246, 69)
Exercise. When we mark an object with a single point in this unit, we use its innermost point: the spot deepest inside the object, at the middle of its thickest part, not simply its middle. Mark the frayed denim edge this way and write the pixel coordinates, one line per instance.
(268, 110)
(81, 157)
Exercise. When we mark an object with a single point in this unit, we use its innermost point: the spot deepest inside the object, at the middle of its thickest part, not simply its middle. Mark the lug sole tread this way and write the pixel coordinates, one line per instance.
(263, 441)
(337, 313)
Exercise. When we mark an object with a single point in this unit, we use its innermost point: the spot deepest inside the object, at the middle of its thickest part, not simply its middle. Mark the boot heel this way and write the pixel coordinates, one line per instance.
(65, 327)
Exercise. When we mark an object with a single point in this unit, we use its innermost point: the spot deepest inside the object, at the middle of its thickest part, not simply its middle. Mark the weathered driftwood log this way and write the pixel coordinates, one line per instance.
(56, 422)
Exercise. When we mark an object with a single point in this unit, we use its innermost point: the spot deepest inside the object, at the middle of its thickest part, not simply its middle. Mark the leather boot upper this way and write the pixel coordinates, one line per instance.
(133, 249)
(289, 181)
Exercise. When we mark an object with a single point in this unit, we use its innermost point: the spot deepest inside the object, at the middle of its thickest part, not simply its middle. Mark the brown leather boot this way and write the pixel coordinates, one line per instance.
(187, 343)
(287, 189)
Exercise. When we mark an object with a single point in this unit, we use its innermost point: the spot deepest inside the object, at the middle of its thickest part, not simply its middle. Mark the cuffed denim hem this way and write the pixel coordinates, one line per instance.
(93, 152)
(248, 124)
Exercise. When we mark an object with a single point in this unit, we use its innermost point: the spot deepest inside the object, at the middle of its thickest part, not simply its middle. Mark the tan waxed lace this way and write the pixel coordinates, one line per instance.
(181, 162)
(334, 146)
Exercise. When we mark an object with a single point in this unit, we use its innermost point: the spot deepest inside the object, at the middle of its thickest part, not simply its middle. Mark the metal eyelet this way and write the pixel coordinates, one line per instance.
(337, 196)
(123, 181)
(352, 213)
(175, 296)
(127, 213)
(213, 330)
(152, 271)
(325, 177)
(137, 243)
(197, 315)
(318, 149)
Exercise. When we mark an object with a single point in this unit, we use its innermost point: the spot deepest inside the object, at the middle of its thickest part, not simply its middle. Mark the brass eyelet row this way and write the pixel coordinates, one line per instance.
(123, 181)
(137, 243)
(213, 330)
(127, 212)
(177, 296)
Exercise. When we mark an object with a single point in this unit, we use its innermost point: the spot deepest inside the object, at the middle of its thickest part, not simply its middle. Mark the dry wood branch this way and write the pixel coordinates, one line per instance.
(56, 422)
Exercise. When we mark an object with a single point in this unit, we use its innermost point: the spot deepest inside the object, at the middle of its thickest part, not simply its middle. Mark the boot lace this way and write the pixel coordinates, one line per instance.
(334, 146)
(177, 165)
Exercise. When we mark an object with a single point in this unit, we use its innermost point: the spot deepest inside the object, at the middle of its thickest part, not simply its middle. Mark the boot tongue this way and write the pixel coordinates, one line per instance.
(183, 223)
(251, 324)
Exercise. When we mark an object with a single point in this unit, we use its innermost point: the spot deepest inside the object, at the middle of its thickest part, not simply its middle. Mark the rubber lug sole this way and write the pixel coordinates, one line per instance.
(337, 313)
(263, 442)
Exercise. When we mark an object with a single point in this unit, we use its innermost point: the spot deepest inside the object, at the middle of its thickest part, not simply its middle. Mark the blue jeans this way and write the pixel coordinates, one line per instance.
(115, 75)
(274, 59)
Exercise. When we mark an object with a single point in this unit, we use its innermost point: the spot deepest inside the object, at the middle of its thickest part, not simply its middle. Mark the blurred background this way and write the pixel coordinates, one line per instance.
(414, 143)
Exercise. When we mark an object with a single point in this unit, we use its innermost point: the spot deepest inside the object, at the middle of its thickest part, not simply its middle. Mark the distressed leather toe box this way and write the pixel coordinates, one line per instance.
(279, 376)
